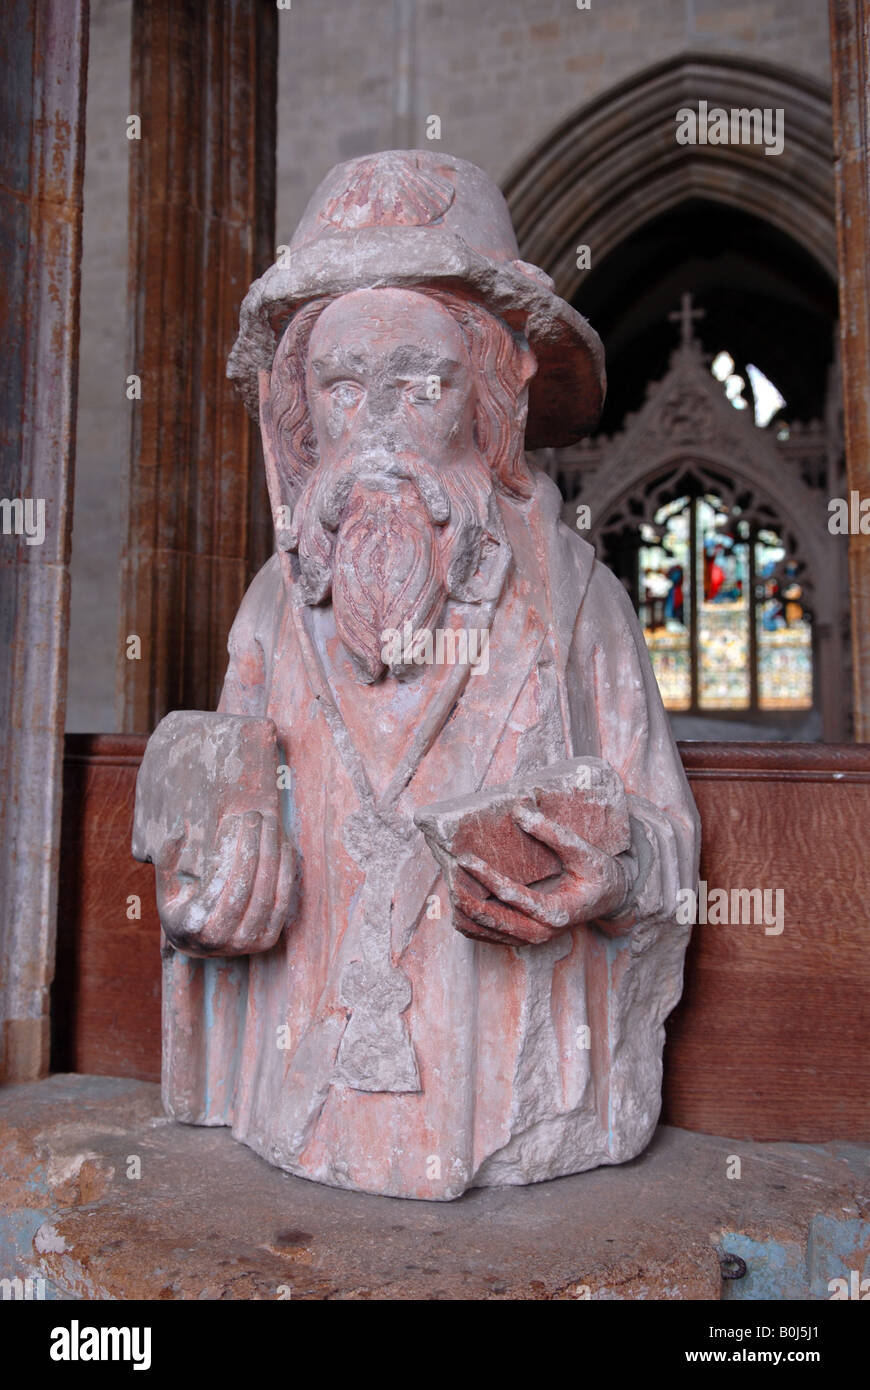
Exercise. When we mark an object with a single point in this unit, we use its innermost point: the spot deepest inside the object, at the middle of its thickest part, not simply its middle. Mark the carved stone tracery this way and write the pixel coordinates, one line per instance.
(688, 438)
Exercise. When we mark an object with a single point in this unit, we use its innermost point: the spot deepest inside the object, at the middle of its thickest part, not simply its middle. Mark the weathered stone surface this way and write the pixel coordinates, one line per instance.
(418, 1017)
(494, 833)
(651, 1229)
(428, 220)
(740, 983)
(583, 794)
(209, 817)
(44, 63)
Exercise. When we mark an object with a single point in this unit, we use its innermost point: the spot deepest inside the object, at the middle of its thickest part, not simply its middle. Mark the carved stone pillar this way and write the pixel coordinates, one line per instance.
(43, 57)
(850, 63)
(202, 197)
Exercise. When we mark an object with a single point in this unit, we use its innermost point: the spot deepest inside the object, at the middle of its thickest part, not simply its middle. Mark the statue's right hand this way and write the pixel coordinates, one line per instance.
(229, 898)
(210, 817)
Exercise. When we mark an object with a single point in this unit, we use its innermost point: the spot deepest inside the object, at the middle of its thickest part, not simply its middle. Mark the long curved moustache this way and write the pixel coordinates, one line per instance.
(320, 510)
(390, 538)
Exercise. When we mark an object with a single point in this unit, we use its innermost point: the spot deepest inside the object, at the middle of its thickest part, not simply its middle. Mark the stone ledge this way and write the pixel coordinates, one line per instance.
(208, 1219)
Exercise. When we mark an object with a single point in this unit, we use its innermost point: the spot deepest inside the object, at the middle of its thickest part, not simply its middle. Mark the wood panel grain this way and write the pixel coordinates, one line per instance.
(771, 1038)
(106, 995)
(202, 213)
(772, 1035)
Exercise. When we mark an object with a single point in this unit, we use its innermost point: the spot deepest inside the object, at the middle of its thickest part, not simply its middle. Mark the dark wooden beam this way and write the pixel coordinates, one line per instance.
(850, 69)
(202, 209)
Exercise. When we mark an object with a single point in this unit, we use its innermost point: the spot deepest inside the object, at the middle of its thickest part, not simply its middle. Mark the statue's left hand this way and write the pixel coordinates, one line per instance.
(592, 887)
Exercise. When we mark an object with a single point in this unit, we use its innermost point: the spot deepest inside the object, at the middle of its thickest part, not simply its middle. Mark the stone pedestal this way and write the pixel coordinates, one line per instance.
(208, 1219)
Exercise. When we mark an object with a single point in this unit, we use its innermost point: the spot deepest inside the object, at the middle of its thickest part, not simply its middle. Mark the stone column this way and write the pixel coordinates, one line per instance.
(202, 200)
(850, 64)
(43, 58)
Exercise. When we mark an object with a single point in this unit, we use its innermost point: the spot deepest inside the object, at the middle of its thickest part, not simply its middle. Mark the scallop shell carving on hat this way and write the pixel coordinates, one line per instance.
(390, 192)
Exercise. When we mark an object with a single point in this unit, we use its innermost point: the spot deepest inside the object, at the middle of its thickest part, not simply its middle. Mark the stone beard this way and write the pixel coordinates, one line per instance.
(388, 534)
(421, 930)
(404, 542)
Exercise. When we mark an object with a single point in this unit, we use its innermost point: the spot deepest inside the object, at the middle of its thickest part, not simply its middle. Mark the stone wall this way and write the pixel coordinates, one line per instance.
(499, 73)
(103, 409)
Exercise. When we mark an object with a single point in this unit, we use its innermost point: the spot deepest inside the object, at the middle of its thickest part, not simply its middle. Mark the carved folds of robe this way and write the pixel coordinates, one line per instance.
(409, 1059)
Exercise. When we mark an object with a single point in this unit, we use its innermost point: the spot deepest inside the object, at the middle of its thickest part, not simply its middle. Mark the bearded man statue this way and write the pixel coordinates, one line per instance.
(418, 875)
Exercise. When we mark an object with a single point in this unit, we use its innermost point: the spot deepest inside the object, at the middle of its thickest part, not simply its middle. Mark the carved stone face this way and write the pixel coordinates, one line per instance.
(389, 370)
(399, 510)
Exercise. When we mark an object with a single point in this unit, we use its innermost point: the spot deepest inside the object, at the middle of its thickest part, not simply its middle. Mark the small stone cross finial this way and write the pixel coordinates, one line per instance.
(684, 316)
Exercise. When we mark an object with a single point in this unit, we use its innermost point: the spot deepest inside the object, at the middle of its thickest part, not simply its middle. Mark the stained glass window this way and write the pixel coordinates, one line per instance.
(722, 611)
(665, 600)
(784, 635)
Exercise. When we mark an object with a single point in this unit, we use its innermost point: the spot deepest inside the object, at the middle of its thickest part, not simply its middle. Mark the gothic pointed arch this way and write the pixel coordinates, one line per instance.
(615, 163)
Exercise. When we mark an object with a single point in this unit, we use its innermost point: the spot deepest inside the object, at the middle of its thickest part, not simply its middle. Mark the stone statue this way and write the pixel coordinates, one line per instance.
(417, 876)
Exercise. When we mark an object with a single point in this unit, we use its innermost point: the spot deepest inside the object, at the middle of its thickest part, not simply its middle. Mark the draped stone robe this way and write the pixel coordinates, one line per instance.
(374, 1046)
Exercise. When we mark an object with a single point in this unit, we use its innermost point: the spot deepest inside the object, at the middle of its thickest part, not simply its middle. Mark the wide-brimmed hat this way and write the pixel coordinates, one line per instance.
(418, 217)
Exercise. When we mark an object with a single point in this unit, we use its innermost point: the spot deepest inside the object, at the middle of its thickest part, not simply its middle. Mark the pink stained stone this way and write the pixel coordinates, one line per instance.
(361, 1008)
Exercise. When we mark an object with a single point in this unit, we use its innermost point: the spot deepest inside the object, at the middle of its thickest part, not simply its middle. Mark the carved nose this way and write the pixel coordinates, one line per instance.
(383, 403)
(378, 428)
(382, 396)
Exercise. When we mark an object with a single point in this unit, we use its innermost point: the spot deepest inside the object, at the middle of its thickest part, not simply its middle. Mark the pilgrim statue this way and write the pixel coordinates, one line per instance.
(417, 876)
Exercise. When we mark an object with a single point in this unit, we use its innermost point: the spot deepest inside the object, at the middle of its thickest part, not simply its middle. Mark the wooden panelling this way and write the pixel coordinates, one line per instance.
(106, 997)
(771, 1038)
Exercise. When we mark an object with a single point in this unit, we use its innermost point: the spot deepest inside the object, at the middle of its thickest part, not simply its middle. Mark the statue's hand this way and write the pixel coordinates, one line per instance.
(525, 860)
(230, 898)
(592, 885)
(209, 817)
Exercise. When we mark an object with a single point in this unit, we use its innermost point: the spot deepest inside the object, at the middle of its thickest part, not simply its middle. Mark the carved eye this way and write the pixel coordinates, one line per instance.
(425, 392)
(346, 393)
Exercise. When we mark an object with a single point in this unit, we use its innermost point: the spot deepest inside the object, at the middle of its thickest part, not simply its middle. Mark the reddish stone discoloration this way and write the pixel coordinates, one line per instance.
(412, 951)
(571, 816)
(209, 817)
(45, 52)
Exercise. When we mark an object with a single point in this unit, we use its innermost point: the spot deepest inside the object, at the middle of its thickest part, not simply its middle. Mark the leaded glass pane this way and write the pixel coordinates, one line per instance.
(723, 609)
(785, 663)
(665, 571)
